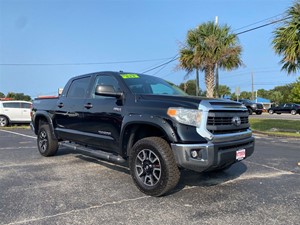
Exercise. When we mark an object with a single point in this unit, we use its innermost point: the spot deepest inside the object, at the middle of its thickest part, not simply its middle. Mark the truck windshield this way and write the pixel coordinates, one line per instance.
(145, 84)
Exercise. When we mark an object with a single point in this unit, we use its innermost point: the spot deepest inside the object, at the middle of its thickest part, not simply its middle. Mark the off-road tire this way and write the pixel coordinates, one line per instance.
(47, 145)
(153, 167)
(3, 121)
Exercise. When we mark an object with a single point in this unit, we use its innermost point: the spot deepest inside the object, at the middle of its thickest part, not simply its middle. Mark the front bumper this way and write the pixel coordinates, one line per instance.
(211, 155)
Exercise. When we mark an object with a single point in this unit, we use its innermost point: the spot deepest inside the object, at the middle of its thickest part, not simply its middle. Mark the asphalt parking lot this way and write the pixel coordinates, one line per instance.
(70, 188)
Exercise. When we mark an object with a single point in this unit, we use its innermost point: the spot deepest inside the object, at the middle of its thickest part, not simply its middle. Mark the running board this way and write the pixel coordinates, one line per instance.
(94, 153)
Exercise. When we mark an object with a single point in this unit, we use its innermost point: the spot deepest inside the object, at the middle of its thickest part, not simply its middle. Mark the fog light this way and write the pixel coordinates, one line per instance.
(194, 154)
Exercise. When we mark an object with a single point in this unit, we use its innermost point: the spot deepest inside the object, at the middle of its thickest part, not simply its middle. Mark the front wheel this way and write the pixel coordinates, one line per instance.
(293, 112)
(47, 145)
(153, 167)
(271, 111)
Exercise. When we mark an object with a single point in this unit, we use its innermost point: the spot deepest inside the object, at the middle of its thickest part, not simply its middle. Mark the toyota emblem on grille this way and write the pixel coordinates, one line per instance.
(236, 121)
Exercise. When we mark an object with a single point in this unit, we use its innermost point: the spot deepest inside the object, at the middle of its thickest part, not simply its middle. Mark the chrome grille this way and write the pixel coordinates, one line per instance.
(221, 122)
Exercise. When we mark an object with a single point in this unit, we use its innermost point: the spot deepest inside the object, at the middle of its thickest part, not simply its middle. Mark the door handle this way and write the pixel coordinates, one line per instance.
(60, 105)
(88, 106)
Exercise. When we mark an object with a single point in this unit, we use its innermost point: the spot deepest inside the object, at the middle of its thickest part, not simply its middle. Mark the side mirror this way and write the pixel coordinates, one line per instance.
(107, 90)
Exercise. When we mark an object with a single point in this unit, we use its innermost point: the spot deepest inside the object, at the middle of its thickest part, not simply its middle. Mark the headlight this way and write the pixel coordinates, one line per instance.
(190, 117)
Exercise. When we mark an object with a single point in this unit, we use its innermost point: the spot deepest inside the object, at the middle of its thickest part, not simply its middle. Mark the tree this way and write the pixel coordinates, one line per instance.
(295, 92)
(285, 92)
(224, 90)
(2, 95)
(206, 46)
(245, 95)
(190, 88)
(263, 93)
(286, 40)
(187, 63)
(276, 97)
(18, 96)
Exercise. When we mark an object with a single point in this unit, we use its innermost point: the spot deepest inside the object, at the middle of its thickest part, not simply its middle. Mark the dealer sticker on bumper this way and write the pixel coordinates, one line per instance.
(240, 154)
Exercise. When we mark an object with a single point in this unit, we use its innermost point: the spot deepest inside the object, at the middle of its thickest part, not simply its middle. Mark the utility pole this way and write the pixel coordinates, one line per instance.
(217, 70)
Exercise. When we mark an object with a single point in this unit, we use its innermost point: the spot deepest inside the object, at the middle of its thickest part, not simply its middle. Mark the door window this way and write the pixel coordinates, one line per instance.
(79, 88)
(12, 105)
(105, 80)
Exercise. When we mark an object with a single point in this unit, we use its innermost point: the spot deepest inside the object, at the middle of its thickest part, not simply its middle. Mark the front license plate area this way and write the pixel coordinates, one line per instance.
(240, 154)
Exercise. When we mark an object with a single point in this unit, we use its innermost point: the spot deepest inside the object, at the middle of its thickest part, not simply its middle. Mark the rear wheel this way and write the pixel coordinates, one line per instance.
(250, 111)
(3, 121)
(271, 111)
(293, 112)
(153, 167)
(47, 145)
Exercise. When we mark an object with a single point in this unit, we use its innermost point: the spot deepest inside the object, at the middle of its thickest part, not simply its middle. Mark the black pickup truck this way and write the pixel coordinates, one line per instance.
(144, 122)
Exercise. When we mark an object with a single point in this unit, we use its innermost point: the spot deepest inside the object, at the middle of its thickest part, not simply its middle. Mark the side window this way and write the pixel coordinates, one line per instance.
(11, 105)
(105, 80)
(78, 88)
(26, 105)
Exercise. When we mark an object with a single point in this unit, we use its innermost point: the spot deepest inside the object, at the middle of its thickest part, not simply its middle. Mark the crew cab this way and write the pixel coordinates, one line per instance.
(146, 122)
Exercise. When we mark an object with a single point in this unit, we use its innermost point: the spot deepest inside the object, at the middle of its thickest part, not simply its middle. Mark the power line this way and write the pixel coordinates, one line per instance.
(264, 25)
(80, 64)
(258, 22)
(246, 31)
(163, 64)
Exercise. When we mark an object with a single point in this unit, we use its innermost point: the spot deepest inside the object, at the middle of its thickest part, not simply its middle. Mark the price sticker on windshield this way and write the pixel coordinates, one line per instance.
(129, 76)
(240, 154)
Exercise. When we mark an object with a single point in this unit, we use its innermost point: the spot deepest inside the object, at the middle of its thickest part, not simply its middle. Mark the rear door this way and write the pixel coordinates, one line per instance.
(103, 116)
(26, 110)
(70, 110)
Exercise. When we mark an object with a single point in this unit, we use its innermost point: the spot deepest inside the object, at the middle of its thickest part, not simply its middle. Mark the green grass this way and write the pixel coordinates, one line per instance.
(16, 126)
(289, 128)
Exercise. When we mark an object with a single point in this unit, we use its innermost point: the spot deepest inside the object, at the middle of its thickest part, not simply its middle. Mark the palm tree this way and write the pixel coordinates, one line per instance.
(206, 46)
(286, 40)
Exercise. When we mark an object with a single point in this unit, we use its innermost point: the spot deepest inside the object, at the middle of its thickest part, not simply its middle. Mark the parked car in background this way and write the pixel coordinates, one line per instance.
(252, 106)
(285, 108)
(14, 112)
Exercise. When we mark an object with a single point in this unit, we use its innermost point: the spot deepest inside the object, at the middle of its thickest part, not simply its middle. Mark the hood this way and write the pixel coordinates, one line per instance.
(184, 101)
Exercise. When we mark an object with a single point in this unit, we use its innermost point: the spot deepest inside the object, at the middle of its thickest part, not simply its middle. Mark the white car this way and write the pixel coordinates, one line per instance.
(14, 112)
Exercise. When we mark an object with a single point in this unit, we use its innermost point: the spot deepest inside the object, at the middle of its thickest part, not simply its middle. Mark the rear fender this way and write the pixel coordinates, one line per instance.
(39, 119)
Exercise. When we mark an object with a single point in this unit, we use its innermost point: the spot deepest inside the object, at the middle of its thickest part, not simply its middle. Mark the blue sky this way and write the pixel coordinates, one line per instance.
(104, 32)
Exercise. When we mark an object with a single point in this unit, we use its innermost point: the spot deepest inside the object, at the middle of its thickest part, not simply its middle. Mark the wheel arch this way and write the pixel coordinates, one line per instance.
(137, 128)
(43, 118)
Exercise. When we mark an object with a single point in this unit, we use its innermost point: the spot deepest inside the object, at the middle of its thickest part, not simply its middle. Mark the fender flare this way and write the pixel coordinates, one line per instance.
(49, 119)
(158, 122)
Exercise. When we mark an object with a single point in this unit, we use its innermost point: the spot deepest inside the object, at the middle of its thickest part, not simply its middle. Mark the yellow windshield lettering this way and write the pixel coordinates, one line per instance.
(129, 76)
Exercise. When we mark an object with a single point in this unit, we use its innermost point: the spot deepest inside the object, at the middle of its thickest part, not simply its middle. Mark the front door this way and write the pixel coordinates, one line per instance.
(103, 116)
